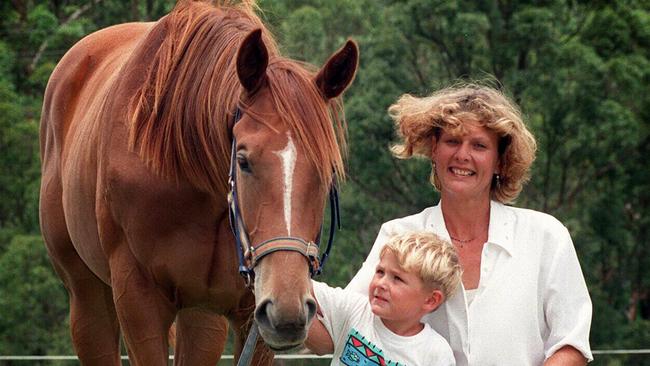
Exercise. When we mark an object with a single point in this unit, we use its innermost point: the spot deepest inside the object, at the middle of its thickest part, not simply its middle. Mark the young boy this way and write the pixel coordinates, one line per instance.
(416, 273)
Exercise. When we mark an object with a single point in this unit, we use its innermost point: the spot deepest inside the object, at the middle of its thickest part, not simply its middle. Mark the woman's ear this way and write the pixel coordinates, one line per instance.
(434, 145)
(499, 166)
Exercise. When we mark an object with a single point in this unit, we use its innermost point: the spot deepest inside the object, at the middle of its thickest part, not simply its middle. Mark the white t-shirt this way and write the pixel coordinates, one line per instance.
(361, 338)
(531, 300)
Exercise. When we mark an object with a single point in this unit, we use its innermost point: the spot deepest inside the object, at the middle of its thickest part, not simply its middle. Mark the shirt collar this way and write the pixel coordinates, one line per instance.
(500, 232)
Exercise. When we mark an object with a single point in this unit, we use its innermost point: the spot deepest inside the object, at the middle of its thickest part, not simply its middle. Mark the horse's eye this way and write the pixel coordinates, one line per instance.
(244, 166)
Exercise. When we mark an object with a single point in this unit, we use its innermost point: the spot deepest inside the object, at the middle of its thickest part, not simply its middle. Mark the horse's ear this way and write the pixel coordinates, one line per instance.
(339, 70)
(252, 60)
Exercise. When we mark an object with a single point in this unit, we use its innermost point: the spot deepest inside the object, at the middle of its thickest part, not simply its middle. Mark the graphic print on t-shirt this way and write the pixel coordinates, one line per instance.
(359, 351)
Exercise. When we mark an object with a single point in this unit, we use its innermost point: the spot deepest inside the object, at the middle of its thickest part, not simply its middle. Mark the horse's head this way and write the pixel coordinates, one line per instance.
(286, 153)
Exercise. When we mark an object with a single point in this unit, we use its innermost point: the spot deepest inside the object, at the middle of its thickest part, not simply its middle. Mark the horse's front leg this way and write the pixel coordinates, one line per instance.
(200, 337)
(144, 313)
(241, 321)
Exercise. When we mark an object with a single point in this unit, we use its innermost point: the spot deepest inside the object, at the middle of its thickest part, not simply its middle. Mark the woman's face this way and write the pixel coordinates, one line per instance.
(465, 164)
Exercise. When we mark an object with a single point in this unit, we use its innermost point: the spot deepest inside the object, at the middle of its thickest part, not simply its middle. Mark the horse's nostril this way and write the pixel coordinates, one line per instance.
(310, 307)
(262, 315)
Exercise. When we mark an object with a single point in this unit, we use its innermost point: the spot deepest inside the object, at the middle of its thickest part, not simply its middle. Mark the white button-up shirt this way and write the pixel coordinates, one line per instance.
(531, 299)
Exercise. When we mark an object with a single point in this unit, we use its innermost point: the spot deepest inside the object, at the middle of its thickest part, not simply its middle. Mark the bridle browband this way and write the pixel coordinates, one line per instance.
(250, 255)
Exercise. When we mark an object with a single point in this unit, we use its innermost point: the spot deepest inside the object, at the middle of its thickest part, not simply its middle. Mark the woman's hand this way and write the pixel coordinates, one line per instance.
(566, 356)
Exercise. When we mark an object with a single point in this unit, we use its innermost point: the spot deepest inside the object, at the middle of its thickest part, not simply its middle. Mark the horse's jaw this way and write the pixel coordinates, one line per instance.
(288, 349)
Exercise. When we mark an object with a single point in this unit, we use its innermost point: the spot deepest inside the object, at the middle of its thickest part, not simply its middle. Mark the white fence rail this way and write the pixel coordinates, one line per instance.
(293, 357)
(621, 352)
(73, 358)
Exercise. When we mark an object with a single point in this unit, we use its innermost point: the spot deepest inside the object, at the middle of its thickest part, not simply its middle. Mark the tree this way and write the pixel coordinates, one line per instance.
(33, 301)
(18, 160)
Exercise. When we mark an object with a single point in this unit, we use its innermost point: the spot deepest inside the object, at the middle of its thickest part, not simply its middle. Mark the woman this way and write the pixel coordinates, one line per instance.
(523, 298)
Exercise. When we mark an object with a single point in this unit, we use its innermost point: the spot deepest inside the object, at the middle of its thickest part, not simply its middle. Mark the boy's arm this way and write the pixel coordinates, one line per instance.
(318, 339)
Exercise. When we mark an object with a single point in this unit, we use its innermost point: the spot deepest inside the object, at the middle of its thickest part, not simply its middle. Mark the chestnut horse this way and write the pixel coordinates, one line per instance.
(136, 133)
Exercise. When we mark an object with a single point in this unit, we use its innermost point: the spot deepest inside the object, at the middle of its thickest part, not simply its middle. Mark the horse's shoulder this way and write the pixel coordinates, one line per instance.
(91, 52)
(108, 39)
(82, 76)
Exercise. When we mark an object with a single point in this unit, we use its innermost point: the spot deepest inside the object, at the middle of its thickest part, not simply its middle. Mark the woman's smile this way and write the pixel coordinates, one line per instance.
(462, 172)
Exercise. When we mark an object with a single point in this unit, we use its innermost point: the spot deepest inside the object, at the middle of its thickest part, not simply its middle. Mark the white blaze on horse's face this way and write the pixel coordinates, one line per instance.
(288, 158)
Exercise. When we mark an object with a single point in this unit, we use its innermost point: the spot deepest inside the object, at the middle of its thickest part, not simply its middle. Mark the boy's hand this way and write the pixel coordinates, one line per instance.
(318, 339)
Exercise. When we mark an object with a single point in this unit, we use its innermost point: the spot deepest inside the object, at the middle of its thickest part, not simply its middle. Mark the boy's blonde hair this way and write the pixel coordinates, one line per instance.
(430, 257)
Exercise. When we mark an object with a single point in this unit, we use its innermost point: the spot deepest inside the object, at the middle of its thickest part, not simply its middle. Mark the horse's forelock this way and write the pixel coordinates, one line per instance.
(318, 125)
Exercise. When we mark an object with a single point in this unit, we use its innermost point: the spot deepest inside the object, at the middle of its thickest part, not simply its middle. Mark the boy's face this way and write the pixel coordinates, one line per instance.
(397, 295)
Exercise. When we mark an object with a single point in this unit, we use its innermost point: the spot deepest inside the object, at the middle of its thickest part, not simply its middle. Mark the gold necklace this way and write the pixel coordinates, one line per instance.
(461, 242)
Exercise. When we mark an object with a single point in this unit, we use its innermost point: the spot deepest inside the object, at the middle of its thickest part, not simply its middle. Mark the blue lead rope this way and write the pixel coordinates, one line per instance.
(247, 352)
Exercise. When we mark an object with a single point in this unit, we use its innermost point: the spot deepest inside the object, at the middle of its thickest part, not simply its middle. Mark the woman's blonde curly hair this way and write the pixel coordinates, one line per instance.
(419, 120)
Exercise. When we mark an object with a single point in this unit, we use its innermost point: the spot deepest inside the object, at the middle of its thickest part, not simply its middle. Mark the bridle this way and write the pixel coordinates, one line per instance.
(250, 255)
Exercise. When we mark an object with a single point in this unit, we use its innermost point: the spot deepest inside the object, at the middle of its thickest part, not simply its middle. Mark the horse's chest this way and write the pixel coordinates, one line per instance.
(168, 226)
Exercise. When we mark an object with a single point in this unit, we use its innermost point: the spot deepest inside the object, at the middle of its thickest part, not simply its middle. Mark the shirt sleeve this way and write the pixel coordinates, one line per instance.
(361, 280)
(337, 306)
(567, 305)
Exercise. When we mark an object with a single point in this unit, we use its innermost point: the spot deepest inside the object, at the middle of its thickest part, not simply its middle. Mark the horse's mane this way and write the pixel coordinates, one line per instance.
(181, 113)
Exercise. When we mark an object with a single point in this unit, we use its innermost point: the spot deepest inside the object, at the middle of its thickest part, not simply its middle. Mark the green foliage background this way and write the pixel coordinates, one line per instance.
(579, 69)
